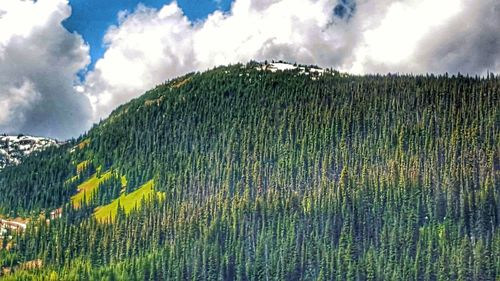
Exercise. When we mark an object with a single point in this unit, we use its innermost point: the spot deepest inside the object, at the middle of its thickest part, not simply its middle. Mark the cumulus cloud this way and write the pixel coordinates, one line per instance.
(149, 46)
(468, 43)
(39, 60)
(433, 36)
(146, 48)
(17, 101)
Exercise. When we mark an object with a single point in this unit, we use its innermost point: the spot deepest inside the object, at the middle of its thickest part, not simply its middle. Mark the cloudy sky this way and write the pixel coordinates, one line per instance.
(65, 65)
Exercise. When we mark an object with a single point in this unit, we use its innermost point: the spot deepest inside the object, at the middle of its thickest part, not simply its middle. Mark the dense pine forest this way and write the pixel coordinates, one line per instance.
(242, 174)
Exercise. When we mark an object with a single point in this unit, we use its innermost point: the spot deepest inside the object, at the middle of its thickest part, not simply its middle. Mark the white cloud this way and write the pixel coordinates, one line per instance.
(149, 46)
(394, 41)
(469, 42)
(19, 99)
(39, 60)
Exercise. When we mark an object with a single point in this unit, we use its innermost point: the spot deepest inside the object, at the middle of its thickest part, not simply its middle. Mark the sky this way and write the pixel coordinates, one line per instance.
(92, 18)
(65, 65)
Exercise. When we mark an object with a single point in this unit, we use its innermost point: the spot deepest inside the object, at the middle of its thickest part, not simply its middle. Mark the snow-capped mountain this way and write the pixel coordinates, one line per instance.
(14, 148)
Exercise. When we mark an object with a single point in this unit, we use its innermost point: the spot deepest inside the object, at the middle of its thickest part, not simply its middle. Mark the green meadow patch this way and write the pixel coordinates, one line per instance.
(127, 201)
(83, 144)
(87, 188)
(82, 165)
(124, 181)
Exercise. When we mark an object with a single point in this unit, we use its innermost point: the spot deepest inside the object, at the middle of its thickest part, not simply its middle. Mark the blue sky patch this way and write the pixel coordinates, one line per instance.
(91, 18)
(345, 9)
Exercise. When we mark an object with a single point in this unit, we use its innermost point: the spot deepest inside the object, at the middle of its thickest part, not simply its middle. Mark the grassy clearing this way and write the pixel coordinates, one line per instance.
(82, 165)
(124, 181)
(83, 144)
(88, 187)
(181, 83)
(155, 101)
(79, 168)
(127, 201)
(72, 179)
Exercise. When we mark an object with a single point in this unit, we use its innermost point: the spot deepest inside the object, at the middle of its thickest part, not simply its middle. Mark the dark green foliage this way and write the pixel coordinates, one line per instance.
(38, 183)
(278, 176)
(108, 190)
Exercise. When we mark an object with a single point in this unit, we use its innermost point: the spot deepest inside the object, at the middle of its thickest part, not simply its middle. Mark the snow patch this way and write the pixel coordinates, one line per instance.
(14, 148)
(283, 66)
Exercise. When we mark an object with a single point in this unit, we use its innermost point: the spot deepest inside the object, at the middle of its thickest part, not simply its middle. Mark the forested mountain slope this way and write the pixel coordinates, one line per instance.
(243, 174)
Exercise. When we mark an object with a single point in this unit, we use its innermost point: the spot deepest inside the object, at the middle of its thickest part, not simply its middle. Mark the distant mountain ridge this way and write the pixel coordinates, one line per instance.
(14, 148)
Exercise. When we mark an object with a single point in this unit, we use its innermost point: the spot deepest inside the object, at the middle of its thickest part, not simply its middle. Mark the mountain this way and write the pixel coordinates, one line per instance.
(14, 148)
(269, 172)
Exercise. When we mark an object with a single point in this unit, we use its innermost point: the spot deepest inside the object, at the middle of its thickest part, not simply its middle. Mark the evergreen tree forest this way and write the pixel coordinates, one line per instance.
(272, 176)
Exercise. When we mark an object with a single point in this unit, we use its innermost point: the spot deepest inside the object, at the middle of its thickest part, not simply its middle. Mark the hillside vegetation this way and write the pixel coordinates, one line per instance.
(273, 176)
(88, 188)
(127, 203)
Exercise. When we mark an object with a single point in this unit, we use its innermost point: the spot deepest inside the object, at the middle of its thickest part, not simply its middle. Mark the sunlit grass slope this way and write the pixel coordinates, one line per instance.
(87, 188)
(127, 201)
(81, 166)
